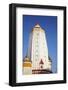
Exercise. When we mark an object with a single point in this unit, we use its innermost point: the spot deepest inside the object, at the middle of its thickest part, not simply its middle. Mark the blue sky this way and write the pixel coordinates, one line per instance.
(49, 24)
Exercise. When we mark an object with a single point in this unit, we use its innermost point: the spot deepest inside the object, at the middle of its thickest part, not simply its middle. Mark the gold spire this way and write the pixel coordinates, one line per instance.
(27, 62)
(37, 26)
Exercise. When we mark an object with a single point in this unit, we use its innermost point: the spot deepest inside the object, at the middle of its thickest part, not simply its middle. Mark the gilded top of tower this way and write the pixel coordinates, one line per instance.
(27, 62)
(26, 59)
(38, 26)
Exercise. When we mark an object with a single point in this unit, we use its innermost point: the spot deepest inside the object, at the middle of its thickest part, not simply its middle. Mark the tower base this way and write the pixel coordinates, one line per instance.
(38, 71)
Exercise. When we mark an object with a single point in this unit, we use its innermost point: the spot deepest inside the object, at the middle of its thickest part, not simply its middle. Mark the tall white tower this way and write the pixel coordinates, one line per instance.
(38, 50)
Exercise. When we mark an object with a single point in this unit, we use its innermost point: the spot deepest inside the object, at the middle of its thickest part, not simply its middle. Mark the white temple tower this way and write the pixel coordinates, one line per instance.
(38, 50)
